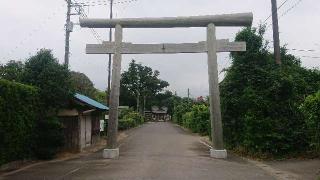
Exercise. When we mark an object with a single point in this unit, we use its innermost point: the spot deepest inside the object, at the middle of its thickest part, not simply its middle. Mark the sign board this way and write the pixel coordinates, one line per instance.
(101, 125)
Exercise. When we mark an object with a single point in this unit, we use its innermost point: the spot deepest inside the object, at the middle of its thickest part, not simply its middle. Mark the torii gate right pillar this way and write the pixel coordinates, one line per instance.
(218, 150)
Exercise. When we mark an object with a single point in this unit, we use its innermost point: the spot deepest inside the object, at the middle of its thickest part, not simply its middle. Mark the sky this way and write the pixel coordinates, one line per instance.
(28, 26)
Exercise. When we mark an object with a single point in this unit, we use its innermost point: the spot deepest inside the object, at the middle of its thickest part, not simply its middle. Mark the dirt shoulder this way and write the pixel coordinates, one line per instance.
(306, 169)
(301, 169)
(16, 166)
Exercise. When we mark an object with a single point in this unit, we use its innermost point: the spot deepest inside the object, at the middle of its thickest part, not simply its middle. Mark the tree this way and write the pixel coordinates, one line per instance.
(140, 83)
(260, 100)
(55, 91)
(101, 96)
(163, 99)
(52, 79)
(82, 84)
(12, 71)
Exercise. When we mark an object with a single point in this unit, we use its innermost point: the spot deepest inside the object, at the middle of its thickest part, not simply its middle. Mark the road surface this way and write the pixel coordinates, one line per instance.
(153, 151)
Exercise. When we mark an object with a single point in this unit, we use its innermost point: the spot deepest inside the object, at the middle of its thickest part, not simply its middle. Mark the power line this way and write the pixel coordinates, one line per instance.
(83, 14)
(291, 8)
(277, 9)
(303, 50)
(288, 10)
(300, 50)
(103, 3)
(312, 57)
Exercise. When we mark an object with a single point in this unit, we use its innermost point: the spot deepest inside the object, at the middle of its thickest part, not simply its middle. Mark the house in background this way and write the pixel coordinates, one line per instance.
(81, 122)
(160, 114)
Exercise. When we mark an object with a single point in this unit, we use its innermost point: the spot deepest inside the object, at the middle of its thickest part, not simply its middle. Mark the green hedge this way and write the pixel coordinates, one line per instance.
(194, 117)
(48, 138)
(180, 108)
(18, 114)
(130, 120)
(311, 111)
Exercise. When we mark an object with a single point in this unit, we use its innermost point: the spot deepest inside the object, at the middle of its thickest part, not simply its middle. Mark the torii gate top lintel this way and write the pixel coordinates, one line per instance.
(239, 19)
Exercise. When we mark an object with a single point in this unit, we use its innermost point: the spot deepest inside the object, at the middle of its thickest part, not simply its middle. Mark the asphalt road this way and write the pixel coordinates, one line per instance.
(153, 151)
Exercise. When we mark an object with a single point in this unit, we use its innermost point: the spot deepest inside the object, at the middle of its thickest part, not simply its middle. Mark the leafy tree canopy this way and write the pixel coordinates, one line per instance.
(260, 99)
(138, 83)
(82, 84)
(12, 71)
(52, 79)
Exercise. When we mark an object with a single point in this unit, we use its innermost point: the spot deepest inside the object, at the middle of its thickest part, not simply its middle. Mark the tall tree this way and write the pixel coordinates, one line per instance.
(54, 89)
(52, 79)
(83, 84)
(141, 82)
(12, 71)
(260, 100)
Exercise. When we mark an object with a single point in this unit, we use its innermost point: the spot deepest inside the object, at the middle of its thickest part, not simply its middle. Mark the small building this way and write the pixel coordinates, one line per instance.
(160, 114)
(81, 122)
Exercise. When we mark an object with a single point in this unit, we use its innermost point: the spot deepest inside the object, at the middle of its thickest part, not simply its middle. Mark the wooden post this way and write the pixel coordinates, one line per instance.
(115, 91)
(215, 112)
(276, 39)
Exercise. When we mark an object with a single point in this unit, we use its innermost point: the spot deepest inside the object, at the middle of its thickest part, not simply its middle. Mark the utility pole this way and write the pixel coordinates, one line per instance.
(276, 39)
(188, 95)
(110, 57)
(68, 31)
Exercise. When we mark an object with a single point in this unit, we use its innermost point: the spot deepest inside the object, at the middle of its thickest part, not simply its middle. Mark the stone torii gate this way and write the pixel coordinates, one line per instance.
(211, 47)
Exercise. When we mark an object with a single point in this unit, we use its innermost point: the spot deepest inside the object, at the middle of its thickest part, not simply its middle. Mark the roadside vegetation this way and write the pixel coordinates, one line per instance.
(18, 112)
(268, 110)
(32, 92)
(141, 87)
(129, 119)
(30, 96)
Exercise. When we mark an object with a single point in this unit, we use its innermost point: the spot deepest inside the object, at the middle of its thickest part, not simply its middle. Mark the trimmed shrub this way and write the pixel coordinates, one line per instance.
(202, 119)
(138, 119)
(188, 121)
(197, 119)
(180, 109)
(18, 115)
(130, 119)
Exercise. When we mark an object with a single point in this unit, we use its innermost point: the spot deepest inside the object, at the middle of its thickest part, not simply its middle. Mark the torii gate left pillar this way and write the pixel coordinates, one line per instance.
(211, 46)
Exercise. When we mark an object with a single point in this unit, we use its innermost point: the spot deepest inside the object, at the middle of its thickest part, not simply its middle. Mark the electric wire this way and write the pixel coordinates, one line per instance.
(83, 14)
(102, 3)
(274, 11)
(287, 11)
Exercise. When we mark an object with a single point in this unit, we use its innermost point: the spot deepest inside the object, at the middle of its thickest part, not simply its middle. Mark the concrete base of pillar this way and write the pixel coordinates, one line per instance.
(110, 153)
(218, 154)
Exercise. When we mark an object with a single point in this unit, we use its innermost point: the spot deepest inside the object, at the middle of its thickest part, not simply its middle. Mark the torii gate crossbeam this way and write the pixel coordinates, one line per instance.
(212, 46)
